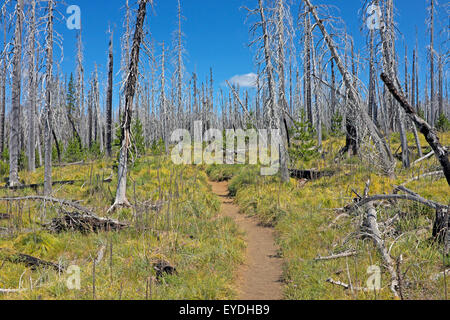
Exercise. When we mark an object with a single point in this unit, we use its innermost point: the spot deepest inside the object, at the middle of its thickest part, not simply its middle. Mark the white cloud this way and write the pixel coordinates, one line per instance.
(248, 80)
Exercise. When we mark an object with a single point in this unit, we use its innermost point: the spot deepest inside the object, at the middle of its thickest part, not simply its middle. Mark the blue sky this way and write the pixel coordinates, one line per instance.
(216, 34)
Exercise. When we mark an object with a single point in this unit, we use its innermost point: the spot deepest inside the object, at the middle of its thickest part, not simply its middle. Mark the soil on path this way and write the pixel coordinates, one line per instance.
(260, 276)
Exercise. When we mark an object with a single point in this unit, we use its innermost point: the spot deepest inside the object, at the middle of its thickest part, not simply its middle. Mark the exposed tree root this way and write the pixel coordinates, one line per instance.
(119, 204)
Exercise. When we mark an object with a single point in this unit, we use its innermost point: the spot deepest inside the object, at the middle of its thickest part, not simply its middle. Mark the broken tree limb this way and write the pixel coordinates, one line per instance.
(62, 202)
(423, 158)
(408, 197)
(428, 131)
(425, 175)
(371, 224)
(310, 174)
(336, 256)
(37, 185)
(29, 261)
(11, 290)
(5, 216)
(347, 286)
(84, 223)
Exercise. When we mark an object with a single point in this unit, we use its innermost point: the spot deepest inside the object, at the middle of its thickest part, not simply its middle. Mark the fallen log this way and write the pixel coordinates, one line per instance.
(425, 175)
(84, 223)
(347, 286)
(29, 261)
(423, 158)
(11, 290)
(5, 216)
(336, 256)
(427, 130)
(310, 174)
(371, 225)
(35, 186)
(62, 202)
(380, 197)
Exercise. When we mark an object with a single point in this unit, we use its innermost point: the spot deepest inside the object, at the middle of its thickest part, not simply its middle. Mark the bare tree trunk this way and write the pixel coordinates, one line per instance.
(308, 82)
(372, 81)
(276, 110)
(48, 105)
(32, 91)
(109, 94)
(15, 99)
(282, 101)
(432, 111)
(130, 89)
(3, 95)
(440, 87)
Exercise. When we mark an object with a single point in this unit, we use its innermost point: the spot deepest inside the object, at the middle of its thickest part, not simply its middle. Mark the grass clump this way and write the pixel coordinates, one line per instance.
(186, 232)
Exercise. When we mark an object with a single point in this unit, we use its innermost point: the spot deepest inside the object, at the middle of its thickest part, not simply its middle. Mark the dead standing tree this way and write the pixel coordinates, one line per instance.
(109, 94)
(48, 104)
(15, 99)
(32, 88)
(385, 157)
(276, 111)
(130, 89)
(3, 88)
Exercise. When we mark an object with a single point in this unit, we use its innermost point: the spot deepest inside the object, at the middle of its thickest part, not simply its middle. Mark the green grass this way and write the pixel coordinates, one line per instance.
(187, 232)
(302, 215)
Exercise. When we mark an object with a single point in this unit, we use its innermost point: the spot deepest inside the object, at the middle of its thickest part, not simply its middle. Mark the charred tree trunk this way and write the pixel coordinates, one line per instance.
(48, 105)
(3, 95)
(32, 91)
(15, 99)
(109, 99)
(426, 129)
(130, 89)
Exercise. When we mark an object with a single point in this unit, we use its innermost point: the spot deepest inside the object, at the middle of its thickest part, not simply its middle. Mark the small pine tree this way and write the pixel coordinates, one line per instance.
(304, 146)
(71, 95)
(158, 147)
(138, 137)
(74, 151)
(336, 124)
(443, 124)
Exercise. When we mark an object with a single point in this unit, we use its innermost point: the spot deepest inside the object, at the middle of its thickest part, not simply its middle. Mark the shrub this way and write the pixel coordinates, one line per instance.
(138, 139)
(443, 124)
(74, 151)
(336, 125)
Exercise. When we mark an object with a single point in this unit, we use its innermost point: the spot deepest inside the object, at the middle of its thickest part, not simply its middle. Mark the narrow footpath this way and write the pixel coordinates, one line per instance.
(259, 278)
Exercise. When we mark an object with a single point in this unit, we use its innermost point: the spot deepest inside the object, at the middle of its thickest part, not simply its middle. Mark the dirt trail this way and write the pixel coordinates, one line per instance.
(259, 277)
